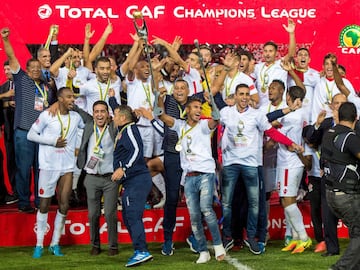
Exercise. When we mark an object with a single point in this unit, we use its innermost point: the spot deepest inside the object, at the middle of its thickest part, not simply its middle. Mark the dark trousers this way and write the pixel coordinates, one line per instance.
(26, 158)
(347, 207)
(316, 211)
(136, 190)
(173, 173)
(330, 223)
(96, 187)
(9, 145)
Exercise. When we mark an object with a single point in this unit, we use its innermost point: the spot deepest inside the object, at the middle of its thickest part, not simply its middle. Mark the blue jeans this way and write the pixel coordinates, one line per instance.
(173, 174)
(262, 221)
(199, 192)
(251, 180)
(347, 207)
(26, 156)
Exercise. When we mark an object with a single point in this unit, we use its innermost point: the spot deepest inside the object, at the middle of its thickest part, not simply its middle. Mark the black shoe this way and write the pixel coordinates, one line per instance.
(10, 199)
(95, 251)
(26, 209)
(253, 246)
(113, 252)
(329, 254)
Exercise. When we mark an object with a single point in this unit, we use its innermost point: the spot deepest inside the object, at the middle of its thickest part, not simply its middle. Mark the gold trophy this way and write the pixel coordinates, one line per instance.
(142, 32)
(54, 30)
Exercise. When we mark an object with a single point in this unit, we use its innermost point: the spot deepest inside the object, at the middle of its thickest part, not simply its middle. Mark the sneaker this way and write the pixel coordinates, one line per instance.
(287, 240)
(238, 245)
(291, 245)
(10, 199)
(204, 257)
(167, 248)
(320, 247)
(228, 243)
(261, 247)
(193, 244)
(253, 246)
(56, 250)
(139, 257)
(38, 251)
(302, 245)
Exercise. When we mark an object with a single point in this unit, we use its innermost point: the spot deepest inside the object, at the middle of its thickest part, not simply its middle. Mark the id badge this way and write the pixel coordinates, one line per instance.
(39, 104)
(99, 153)
(92, 162)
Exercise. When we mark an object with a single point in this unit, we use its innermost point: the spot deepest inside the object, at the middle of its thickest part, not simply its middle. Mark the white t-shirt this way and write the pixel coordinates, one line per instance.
(83, 75)
(139, 94)
(311, 79)
(193, 78)
(231, 83)
(292, 125)
(198, 140)
(93, 90)
(324, 91)
(48, 129)
(241, 138)
(270, 155)
(315, 168)
(265, 75)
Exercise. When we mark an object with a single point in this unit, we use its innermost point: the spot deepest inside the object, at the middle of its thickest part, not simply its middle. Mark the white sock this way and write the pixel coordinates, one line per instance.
(296, 220)
(288, 230)
(41, 224)
(159, 182)
(58, 227)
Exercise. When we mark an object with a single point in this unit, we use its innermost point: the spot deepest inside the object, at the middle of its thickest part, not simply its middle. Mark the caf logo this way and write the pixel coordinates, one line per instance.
(350, 36)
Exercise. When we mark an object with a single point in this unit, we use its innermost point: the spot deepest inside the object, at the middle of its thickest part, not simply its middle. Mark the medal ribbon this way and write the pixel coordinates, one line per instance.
(228, 86)
(120, 132)
(263, 74)
(182, 112)
(64, 131)
(98, 139)
(183, 133)
(147, 93)
(103, 95)
(44, 93)
(276, 107)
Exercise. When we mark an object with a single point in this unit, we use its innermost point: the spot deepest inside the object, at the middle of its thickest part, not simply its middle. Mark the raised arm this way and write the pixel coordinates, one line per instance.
(54, 69)
(290, 28)
(9, 51)
(99, 46)
(172, 52)
(86, 48)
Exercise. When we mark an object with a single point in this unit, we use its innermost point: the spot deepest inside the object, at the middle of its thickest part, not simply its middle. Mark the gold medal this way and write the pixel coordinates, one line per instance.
(46, 103)
(178, 147)
(96, 149)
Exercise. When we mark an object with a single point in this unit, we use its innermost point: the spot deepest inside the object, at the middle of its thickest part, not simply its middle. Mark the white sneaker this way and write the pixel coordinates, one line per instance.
(204, 257)
(160, 204)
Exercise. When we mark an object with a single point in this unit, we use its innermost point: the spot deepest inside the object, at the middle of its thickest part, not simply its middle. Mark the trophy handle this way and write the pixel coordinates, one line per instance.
(157, 110)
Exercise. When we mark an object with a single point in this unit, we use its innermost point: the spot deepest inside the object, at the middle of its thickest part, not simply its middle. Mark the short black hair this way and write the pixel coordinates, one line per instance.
(6, 63)
(347, 112)
(241, 85)
(128, 112)
(62, 90)
(192, 100)
(271, 43)
(282, 84)
(102, 59)
(303, 49)
(296, 92)
(101, 102)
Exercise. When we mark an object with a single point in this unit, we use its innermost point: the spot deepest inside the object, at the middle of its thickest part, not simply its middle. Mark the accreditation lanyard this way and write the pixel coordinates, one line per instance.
(182, 112)
(98, 139)
(276, 107)
(118, 136)
(64, 130)
(103, 95)
(147, 93)
(264, 77)
(329, 91)
(43, 93)
(183, 133)
(228, 86)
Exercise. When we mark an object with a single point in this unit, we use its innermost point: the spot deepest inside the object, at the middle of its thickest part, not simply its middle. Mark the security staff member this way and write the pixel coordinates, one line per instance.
(339, 159)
